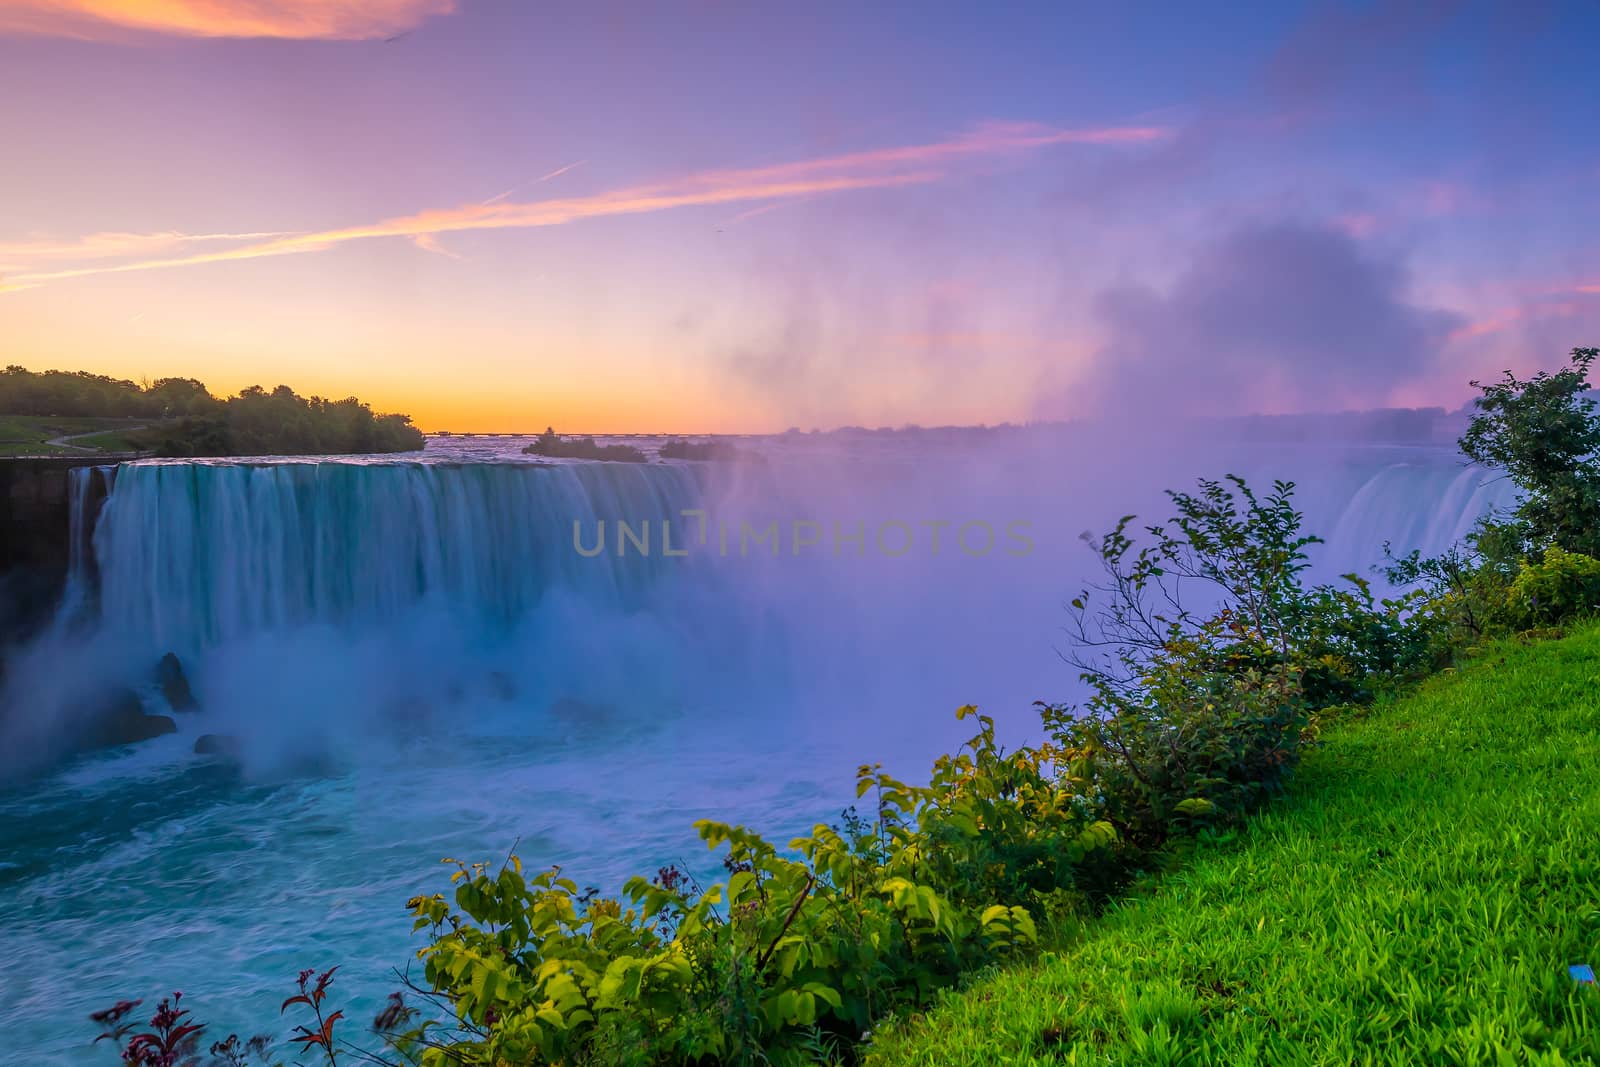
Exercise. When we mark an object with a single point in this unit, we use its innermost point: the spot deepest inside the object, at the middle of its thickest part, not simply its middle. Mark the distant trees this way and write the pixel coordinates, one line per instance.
(283, 423)
(195, 423)
(555, 446)
(182, 396)
(55, 392)
(705, 450)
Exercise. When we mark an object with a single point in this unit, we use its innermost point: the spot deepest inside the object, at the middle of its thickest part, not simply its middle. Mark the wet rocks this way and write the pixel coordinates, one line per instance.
(174, 685)
(118, 718)
(224, 745)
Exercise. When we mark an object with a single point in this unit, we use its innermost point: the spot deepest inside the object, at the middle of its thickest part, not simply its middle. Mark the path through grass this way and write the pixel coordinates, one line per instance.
(37, 435)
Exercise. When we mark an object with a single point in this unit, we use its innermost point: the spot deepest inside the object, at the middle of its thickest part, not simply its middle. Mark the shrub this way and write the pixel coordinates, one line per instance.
(1558, 588)
(1463, 597)
(1198, 748)
(1207, 656)
(1217, 591)
(856, 921)
(173, 1038)
(553, 445)
(1544, 433)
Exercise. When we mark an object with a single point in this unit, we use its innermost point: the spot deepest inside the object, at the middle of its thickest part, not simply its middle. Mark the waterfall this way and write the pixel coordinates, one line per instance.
(347, 589)
(415, 661)
(1418, 503)
(198, 555)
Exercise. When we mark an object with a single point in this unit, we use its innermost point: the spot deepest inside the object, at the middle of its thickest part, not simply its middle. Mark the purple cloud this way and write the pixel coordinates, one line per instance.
(1274, 317)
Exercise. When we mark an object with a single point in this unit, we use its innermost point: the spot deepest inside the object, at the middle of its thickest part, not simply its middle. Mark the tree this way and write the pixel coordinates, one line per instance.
(1544, 433)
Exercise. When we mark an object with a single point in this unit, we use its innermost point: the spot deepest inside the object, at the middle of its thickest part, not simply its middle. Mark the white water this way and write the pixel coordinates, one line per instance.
(419, 664)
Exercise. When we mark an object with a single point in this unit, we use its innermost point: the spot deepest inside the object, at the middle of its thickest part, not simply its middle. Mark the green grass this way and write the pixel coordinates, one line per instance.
(1416, 899)
(109, 441)
(29, 435)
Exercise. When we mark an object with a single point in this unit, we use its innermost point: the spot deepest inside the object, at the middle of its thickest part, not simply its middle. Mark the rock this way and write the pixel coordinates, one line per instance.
(119, 719)
(174, 686)
(225, 745)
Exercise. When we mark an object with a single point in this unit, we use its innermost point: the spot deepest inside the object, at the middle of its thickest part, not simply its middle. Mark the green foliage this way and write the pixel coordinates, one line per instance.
(1556, 589)
(1460, 596)
(1196, 749)
(555, 446)
(1535, 566)
(1207, 655)
(813, 944)
(62, 393)
(1416, 898)
(1217, 591)
(1486, 588)
(192, 422)
(1544, 433)
(282, 423)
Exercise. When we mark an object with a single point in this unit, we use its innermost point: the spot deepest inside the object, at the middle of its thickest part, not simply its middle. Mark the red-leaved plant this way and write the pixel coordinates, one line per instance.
(170, 1042)
(312, 996)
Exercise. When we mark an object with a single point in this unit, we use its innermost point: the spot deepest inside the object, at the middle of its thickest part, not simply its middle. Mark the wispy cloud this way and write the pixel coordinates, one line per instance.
(877, 169)
(110, 245)
(990, 139)
(346, 20)
(558, 172)
(753, 212)
(1554, 303)
(429, 243)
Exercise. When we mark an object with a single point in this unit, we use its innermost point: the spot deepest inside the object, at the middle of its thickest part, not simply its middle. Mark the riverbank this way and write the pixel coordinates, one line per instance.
(1418, 897)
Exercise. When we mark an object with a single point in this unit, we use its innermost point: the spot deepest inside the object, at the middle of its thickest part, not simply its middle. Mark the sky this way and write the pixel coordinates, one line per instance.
(715, 217)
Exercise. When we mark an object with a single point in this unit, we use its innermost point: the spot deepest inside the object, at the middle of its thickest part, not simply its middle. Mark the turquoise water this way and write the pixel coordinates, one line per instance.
(419, 664)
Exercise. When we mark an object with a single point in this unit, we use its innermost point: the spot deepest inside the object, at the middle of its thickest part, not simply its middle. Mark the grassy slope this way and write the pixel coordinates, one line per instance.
(1415, 900)
(28, 435)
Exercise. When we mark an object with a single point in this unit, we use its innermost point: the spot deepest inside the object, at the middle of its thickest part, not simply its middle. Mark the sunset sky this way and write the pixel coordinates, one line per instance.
(497, 215)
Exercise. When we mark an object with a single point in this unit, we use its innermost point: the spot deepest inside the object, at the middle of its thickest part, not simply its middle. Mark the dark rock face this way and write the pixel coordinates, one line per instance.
(225, 745)
(174, 686)
(119, 719)
(35, 540)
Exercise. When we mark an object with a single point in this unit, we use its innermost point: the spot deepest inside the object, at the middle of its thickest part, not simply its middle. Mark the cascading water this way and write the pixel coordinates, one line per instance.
(198, 555)
(418, 662)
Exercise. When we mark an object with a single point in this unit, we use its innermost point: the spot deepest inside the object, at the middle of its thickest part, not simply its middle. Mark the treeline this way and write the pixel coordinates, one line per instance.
(79, 393)
(283, 423)
(707, 450)
(195, 423)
